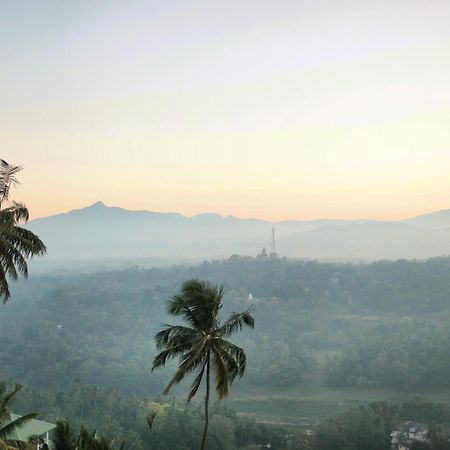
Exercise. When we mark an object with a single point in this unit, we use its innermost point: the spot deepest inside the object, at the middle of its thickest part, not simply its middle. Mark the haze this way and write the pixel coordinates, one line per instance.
(276, 110)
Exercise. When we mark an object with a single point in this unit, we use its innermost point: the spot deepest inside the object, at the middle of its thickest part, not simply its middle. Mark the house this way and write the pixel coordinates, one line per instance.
(406, 433)
(33, 428)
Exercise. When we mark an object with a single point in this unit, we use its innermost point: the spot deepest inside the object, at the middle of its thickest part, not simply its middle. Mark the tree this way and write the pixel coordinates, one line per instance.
(8, 426)
(418, 445)
(17, 244)
(64, 438)
(91, 441)
(202, 346)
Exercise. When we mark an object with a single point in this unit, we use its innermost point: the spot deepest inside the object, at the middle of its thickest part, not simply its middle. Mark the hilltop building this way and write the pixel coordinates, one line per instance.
(273, 248)
(263, 254)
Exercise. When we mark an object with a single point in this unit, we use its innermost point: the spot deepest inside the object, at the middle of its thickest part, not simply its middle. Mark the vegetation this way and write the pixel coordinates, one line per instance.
(64, 438)
(407, 358)
(4, 446)
(7, 425)
(121, 417)
(118, 417)
(330, 337)
(17, 244)
(333, 322)
(202, 347)
(369, 427)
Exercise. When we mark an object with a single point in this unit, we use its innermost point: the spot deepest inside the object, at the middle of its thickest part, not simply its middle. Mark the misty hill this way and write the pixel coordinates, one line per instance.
(100, 232)
(438, 220)
(369, 240)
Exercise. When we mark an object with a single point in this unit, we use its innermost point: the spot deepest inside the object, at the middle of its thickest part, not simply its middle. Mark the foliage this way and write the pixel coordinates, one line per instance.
(388, 320)
(317, 309)
(363, 428)
(201, 346)
(7, 425)
(17, 244)
(123, 418)
(405, 358)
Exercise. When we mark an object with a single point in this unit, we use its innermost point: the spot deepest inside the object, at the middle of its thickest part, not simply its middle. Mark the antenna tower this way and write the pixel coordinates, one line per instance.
(273, 247)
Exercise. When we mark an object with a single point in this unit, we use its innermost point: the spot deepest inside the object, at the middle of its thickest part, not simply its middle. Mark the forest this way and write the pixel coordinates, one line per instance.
(329, 339)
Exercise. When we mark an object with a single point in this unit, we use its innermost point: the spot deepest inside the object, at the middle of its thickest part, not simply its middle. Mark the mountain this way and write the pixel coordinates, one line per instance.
(437, 220)
(103, 233)
(369, 241)
(99, 231)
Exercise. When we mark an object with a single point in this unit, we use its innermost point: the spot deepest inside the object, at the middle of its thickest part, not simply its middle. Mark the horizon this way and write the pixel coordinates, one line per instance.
(103, 204)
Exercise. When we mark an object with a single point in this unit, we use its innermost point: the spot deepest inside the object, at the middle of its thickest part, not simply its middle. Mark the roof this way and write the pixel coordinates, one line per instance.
(411, 427)
(32, 428)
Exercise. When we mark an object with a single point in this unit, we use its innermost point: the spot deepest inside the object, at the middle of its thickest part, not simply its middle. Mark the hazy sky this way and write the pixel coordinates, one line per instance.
(273, 109)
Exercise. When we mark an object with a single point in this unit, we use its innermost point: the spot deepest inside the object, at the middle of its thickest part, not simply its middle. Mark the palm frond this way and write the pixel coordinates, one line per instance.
(7, 397)
(5, 446)
(197, 381)
(234, 365)
(191, 361)
(198, 302)
(63, 436)
(19, 212)
(177, 341)
(235, 352)
(236, 322)
(16, 246)
(172, 335)
(4, 286)
(18, 445)
(23, 240)
(8, 178)
(178, 306)
(221, 374)
(170, 353)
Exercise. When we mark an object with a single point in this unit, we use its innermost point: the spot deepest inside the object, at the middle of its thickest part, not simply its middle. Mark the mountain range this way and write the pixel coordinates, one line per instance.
(103, 233)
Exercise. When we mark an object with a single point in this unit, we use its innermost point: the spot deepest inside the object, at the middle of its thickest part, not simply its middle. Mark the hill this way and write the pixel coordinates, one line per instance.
(109, 234)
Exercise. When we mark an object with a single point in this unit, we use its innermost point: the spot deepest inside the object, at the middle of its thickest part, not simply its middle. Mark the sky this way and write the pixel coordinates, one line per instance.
(271, 109)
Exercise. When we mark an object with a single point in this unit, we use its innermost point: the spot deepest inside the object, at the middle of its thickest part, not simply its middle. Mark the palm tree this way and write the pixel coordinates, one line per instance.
(202, 346)
(8, 426)
(63, 438)
(91, 441)
(17, 244)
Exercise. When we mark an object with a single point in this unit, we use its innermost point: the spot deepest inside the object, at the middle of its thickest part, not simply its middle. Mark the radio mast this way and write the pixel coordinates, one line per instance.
(273, 246)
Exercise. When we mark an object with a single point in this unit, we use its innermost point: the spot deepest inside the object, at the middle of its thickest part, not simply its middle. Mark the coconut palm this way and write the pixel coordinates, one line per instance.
(92, 441)
(63, 438)
(17, 244)
(8, 426)
(202, 346)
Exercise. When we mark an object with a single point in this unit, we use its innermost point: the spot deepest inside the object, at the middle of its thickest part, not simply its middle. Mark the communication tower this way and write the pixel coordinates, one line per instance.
(273, 246)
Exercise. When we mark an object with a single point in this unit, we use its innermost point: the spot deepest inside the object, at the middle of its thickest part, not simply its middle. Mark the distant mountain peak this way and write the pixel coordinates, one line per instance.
(98, 204)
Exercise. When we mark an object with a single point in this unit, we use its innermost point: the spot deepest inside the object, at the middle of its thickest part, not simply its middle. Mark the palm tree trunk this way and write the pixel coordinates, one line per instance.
(205, 431)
